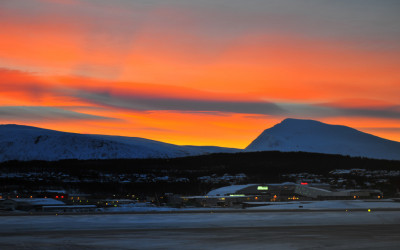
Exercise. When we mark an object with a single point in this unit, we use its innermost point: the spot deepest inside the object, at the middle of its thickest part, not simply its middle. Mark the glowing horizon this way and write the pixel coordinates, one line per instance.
(199, 72)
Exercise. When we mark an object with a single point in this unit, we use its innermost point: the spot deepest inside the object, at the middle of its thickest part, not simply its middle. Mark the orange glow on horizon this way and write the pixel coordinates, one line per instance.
(135, 69)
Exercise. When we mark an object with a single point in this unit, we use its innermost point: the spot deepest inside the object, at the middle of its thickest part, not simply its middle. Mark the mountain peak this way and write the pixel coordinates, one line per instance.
(314, 136)
(299, 122)
(295, 120)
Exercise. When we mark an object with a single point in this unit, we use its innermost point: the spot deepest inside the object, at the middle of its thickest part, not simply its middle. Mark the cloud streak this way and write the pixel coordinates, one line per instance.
(142, 103)
(148, 103)
(38, 113)
(322, 110)
(93, 93)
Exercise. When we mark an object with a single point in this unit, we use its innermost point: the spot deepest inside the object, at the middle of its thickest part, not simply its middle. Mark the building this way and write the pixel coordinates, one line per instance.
(29, 204)
(43, 205)
(324, 194)
(239, 195)
(70, 209)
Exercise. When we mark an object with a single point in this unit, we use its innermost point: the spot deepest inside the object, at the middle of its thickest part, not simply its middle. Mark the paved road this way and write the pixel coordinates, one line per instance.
(317, 230)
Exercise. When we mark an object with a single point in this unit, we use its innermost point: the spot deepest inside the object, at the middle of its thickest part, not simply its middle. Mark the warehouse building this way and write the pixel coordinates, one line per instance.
(29, 204)
(237, 195)
(43, 205)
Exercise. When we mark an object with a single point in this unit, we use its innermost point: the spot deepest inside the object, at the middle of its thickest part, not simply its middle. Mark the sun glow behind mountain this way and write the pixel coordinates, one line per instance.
(199, 72)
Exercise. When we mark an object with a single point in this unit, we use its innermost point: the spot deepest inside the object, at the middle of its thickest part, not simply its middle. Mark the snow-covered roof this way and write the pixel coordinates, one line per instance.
(56, 191)
(39, 201)
(72, 206)
(235, 188)
(281, 184)
(229, 189)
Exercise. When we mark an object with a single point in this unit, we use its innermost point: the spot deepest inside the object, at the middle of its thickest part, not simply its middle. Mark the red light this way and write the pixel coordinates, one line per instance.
(62, 197)
(304, 183)
(57, 197)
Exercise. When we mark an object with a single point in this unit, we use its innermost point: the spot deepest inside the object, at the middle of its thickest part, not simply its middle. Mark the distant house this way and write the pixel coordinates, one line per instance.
(55, 194)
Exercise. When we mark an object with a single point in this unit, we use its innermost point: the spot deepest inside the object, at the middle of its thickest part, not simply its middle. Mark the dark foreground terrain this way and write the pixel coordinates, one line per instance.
(277, 230)
(195, 175)
(308, 237)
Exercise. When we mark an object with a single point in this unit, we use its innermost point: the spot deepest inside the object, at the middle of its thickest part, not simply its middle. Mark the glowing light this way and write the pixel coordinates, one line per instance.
(304, 183)
(262, 188)
(236, 195)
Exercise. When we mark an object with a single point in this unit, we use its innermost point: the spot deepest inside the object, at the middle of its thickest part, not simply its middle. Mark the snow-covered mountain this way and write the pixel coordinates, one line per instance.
(30, 143)
(26, 143)
(318, 137)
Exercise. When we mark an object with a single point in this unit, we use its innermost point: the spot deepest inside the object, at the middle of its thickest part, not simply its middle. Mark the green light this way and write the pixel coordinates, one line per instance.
(236, 195)
(262, 188)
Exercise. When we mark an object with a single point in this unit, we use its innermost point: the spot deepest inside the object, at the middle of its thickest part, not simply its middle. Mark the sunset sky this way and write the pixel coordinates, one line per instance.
(199, 72)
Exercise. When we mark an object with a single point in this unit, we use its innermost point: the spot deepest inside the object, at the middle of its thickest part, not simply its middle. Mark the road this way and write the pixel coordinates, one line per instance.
(290, 230)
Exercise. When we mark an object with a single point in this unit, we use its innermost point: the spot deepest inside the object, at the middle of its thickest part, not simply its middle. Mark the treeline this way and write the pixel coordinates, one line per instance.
(252, 163)
(259, 167)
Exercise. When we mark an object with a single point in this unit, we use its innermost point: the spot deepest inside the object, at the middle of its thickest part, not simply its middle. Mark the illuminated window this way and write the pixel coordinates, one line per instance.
(262, 188)
(236, 195)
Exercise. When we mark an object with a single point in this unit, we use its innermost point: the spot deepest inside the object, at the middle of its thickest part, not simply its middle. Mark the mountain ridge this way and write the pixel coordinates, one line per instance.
(24, 143)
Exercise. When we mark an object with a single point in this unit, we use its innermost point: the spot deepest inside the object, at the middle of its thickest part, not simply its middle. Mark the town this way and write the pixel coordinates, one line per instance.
(226, 190)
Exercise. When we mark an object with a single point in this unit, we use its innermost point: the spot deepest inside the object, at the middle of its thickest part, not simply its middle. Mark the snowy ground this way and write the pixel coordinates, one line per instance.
(245, 229)
(334, 204)
(268, 206)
